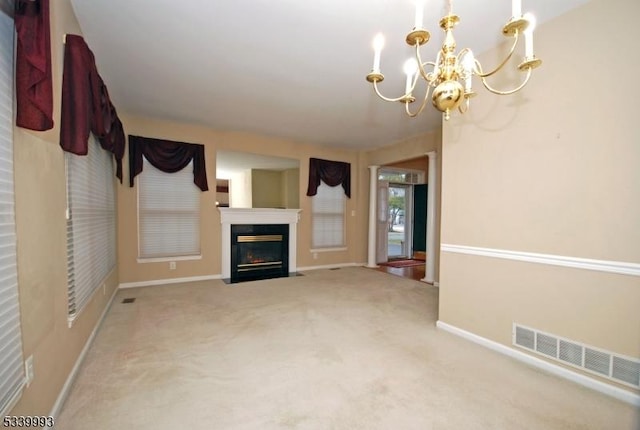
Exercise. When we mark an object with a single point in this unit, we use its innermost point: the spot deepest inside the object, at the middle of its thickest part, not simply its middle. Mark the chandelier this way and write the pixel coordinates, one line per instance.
(449, 77)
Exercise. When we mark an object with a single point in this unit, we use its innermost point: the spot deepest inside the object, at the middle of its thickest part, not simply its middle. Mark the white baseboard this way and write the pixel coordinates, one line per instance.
(155, 282)
(330, 266)
(609, 390)
(66, 388)
(168, 281)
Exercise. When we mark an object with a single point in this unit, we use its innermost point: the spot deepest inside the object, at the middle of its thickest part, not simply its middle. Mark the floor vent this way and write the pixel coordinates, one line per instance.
(619, 368)
(128, 300)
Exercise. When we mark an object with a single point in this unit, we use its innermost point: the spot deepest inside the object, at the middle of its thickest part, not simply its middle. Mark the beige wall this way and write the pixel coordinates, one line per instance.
(275, 188)
(291, 192)
(41, 239)
(551, 170)
(132, 271)
(267, 188)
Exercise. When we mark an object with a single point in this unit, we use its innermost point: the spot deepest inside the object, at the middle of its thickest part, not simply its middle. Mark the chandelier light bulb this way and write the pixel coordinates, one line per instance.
(378, 44)
(419, 14)
(468, 63)
(410, 68)
(528, 36)
(516, 8)
(532, 22)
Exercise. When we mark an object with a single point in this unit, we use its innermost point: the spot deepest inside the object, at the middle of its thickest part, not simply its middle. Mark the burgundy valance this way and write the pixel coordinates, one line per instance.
(168, 156)
(86, 106)
(332, 173)
(34, 86)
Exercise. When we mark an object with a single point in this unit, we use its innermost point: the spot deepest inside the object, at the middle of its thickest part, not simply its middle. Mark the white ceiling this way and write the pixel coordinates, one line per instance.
(287, 68)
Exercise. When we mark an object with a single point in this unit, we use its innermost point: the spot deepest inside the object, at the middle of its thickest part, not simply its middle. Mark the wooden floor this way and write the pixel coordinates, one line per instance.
(413, 272)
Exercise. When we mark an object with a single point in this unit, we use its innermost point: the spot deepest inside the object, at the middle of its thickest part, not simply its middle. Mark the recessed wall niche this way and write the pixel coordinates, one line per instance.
(257, 181)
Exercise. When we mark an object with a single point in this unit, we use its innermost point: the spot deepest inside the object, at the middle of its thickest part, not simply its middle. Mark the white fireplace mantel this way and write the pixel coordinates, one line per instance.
(230, 216)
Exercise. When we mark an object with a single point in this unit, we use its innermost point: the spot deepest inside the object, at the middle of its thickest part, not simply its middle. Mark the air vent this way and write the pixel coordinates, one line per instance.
(626, 370)
(597, 361)
(547, 345)
(570, 352)
(525, 338)
(618, 368)
(129, 300)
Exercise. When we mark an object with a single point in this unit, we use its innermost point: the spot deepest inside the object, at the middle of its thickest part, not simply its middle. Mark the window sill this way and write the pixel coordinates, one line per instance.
(328, 249)
(144, 260)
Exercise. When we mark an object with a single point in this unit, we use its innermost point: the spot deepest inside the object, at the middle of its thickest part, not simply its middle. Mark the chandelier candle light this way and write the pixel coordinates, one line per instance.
(449, 77)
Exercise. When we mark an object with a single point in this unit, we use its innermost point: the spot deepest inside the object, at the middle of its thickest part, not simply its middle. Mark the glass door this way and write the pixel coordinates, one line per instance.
(399, 234)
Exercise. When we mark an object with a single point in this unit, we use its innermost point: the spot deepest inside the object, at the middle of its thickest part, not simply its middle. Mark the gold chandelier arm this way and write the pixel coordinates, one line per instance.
(478, 67)
(423, 72)
(375, 87)
(421, 65)
(506, 93)
(466, 106)
(422, 105)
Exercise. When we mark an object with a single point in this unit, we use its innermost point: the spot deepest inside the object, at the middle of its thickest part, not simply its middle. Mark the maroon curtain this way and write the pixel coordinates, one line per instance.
(86, 106)
(167, 156)
(34, 86)
(332, 173)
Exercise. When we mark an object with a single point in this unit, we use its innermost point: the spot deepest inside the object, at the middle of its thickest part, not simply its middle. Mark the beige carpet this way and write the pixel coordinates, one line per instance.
(335, 349)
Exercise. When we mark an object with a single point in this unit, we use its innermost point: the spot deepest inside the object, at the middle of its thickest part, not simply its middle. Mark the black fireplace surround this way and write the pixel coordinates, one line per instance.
(259, 251)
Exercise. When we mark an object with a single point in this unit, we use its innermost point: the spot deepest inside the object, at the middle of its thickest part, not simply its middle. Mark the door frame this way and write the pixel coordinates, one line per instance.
(431, 217)
(382, 220)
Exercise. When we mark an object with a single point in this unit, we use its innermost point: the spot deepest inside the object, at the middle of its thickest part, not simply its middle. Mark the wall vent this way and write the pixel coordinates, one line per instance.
(626, 370)
(616, 367)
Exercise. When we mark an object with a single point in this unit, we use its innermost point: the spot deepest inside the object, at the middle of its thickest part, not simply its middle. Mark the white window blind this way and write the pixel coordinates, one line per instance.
(168, 213)
(328, 207)
(12, 377)
(91, 224)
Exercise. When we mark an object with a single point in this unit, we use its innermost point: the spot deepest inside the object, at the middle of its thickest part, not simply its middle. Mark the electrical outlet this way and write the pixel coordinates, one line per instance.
(28, 369)
(172, 265)
(315, 255)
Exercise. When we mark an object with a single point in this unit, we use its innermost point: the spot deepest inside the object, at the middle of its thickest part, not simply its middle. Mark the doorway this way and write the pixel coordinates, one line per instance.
(414, 172)
(396, 220)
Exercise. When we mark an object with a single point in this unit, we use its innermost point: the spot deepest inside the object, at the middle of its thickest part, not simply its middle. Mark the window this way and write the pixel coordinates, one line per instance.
(328, 207)
(168, 213)
(12, 377)
(91, 223)
(401, 176)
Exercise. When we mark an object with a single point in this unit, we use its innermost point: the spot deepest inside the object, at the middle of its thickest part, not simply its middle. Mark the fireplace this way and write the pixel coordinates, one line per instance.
(259, 251)
(258, 217)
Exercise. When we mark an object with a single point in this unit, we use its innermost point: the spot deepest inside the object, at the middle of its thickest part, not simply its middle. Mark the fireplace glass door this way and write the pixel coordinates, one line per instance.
(259, 251)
